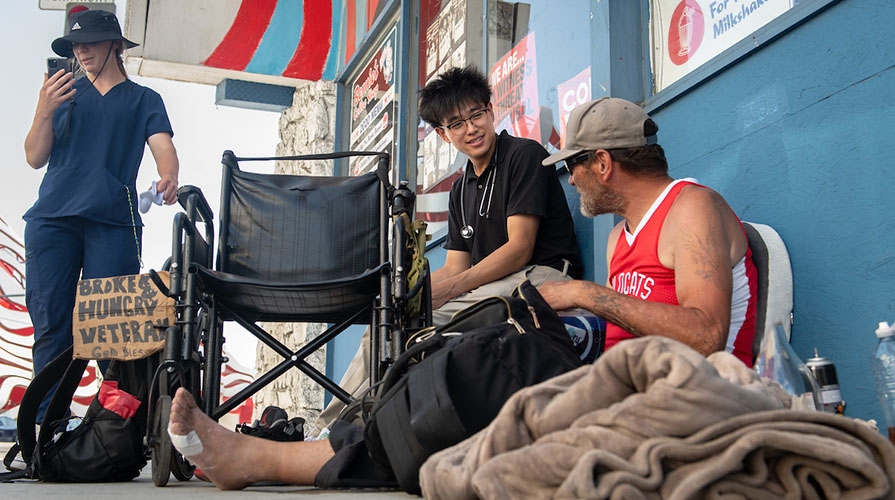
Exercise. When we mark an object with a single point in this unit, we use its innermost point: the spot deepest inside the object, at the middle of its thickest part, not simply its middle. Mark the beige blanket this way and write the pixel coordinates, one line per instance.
(654, 419)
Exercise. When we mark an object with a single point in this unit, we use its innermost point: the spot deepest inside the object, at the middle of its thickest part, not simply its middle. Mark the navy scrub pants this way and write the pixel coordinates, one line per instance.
(59, 252)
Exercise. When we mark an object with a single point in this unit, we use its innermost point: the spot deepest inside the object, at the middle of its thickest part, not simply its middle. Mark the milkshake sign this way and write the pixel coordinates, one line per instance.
(688, 33)
(687, 30)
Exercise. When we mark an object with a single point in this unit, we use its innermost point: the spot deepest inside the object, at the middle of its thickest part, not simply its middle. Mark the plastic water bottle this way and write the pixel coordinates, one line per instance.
(883, 365)
(779, 362)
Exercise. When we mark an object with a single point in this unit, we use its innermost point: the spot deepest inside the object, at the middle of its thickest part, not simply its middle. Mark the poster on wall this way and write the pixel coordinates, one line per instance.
(572, 92)
(685, 34)
(372, 116)
(514, 81)
(445, 48)
(445, 37)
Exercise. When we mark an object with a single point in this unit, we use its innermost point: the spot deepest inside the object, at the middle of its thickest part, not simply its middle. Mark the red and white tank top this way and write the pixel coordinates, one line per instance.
(635, 270)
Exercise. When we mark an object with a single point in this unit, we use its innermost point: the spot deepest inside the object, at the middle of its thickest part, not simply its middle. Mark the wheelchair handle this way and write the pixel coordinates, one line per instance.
(403, 200)
(191, 196)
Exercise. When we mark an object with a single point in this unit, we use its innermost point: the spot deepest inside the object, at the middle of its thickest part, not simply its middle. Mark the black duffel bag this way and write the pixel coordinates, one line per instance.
(451, 384)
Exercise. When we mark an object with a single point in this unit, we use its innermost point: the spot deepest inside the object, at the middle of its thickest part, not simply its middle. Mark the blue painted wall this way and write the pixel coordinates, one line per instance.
(799, 135)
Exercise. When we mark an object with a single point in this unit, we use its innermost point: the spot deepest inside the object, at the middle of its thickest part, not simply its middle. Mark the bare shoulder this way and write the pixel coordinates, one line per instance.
(702, 213)
(701, 209)
(701, 198)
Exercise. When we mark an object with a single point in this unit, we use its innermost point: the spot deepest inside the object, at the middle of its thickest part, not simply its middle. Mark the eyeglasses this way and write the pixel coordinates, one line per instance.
(574, 161)
(459, 126)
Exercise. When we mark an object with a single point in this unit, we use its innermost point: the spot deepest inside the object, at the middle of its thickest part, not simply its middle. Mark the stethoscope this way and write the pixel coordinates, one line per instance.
(466, 231)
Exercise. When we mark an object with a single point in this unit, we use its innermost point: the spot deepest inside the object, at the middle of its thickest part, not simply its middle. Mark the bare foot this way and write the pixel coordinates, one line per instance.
(224, 454)
(232, 460)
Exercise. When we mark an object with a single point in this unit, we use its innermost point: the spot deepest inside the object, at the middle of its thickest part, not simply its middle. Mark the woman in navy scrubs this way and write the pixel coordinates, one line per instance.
(91, 132)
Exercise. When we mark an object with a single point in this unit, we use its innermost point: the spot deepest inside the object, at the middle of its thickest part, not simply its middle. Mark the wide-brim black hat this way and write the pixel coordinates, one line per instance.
(87, 27)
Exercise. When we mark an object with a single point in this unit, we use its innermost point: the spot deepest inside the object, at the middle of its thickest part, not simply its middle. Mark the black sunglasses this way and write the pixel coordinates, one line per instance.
(574, 161)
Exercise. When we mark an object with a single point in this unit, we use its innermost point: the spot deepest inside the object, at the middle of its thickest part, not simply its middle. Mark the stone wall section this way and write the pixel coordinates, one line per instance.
(308, 127)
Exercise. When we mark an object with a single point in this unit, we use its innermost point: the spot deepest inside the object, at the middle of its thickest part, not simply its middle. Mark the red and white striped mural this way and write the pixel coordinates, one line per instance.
(234, 378)
(17, 336)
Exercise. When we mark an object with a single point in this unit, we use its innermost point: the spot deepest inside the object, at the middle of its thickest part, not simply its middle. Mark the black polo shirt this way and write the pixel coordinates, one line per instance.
(516, 183)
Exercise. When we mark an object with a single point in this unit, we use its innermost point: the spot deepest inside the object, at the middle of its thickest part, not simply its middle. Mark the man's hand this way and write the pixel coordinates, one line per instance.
(560, 294)
(459, 276)
(441, 293)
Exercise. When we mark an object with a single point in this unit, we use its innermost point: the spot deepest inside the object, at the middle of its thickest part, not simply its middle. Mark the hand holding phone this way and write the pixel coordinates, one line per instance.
(54, 64)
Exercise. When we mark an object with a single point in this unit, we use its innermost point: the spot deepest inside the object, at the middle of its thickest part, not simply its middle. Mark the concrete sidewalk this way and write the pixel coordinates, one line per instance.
(143, 488)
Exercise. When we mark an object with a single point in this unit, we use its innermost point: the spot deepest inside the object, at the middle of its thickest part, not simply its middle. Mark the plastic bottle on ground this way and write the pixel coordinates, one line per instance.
(779, 362)
(882, 363)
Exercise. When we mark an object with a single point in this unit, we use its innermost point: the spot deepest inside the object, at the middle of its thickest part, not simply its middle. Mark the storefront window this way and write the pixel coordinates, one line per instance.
(538, 59)
(372, 113)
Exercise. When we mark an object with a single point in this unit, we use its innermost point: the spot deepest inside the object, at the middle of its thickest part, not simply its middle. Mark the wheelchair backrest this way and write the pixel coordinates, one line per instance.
(299, 229)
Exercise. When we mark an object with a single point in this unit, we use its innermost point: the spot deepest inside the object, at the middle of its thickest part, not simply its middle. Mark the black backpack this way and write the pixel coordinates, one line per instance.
(103, 447)
(449, 386)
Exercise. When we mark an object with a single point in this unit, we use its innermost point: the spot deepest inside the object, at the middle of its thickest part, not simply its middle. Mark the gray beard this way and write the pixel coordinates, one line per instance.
(604, 202)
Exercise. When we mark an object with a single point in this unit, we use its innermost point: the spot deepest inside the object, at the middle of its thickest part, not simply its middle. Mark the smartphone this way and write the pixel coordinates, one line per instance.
(54, 64)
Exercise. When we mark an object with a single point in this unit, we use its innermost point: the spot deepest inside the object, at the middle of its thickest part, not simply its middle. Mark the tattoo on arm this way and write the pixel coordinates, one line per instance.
(609, 303)
(703, 251)
(709, 341)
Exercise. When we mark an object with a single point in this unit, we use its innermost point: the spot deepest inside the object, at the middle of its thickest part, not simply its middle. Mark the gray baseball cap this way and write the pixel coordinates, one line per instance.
(605, 123)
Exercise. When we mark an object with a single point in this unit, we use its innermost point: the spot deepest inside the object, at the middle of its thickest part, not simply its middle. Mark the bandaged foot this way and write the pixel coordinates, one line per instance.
(232, 460)
(189, 445)
(206, 444)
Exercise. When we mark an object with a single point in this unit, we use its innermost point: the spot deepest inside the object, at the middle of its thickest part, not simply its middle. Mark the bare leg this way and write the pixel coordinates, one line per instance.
(233, 461)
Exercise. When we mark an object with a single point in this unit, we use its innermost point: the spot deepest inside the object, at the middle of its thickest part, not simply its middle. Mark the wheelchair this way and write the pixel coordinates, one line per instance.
(290, 248)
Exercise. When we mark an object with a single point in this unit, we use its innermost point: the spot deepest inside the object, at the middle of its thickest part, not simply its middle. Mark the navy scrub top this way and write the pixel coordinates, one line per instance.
(92, 173)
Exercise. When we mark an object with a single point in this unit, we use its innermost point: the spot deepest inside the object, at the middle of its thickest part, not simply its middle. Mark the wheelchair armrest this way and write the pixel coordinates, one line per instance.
(191, 196)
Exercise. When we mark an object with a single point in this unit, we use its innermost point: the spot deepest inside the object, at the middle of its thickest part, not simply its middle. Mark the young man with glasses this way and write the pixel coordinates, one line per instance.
(508, 219)
(679, 262)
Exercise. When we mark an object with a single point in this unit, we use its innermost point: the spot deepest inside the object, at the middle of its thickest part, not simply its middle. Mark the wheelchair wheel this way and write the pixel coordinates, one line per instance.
(180, 466)
(162, 449)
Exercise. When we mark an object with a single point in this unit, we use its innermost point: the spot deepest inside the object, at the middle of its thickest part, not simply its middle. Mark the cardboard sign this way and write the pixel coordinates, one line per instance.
(121, 317)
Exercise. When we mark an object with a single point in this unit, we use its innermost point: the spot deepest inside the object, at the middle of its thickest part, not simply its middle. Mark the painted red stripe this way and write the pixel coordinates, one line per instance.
(432, 216)
(15, 398)
(242, 39)
(12, 305)
(26, 331)
(350, 26)
(316, 38)
(372, 6)
(442, 185)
